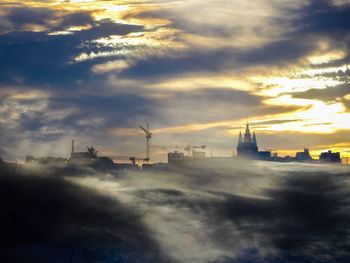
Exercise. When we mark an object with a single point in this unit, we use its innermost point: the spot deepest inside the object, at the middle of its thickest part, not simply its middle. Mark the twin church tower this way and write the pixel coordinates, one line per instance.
(248, 146)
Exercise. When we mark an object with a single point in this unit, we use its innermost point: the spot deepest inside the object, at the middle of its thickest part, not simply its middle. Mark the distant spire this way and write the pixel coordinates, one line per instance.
(247, 137)
(254, 140)
(240, 139)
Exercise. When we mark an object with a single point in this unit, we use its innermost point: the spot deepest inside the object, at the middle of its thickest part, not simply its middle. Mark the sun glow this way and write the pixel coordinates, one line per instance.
(277, 85)
(327, 57)
(317, 116)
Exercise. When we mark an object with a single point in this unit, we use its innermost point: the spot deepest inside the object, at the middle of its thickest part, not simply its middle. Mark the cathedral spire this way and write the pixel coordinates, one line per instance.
(247, 136)
(254, 140)
(240, 139)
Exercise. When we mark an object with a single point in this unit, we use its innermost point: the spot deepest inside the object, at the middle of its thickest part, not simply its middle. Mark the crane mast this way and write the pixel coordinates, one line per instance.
(148, 135)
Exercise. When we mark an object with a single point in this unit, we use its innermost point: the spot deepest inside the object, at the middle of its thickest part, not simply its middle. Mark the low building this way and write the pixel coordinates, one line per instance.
(175, 157)
(82, 157)
(263, 155)
(198, 155)
(330, 157)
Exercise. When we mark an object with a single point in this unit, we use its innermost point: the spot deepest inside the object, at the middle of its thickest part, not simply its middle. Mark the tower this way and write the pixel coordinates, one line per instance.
(247, 147)
(148, 139)
(247, 136)
(240, 139)
(254, 142)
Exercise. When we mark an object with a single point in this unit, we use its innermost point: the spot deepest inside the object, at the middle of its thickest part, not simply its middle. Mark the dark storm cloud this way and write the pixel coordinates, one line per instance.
(209, 104)
(328, 94)
(316, 20)
(115, 110)
(33, 46)
(19, 17)
(106, 28)
(36, 58)
(85, 114)
(219, 60)
(321, 17)
(77, 19)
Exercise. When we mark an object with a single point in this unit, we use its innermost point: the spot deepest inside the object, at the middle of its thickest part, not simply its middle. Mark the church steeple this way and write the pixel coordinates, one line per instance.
(255, 144)
(248, 145)
(247, 136)
(240, 139)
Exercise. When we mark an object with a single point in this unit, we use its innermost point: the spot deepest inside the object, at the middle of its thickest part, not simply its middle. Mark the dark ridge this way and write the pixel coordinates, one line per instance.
(48, 218)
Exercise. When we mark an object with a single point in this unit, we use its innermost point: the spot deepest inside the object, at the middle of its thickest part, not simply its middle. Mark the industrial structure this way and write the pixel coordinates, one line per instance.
(81, 157)
(148, 140)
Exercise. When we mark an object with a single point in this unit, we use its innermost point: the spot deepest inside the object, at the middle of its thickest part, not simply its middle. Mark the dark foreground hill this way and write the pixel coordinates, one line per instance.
(48, 219)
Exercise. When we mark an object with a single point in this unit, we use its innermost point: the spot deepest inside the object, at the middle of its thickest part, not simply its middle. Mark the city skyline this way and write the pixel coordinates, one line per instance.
(96, 70)
(247, 148)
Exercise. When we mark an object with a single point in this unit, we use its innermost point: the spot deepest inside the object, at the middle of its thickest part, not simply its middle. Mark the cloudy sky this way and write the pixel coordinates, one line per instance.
(196, 70)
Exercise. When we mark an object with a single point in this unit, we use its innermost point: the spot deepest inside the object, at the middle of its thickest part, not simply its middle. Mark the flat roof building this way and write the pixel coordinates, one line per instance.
(330, 157)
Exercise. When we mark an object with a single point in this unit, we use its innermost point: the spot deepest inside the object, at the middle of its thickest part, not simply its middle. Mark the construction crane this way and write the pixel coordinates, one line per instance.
(148, 140)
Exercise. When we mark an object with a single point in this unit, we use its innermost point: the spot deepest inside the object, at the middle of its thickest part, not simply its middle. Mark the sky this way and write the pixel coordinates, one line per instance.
(196, 70)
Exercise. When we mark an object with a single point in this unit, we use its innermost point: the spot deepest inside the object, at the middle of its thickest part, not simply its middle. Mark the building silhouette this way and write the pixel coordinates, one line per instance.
(175, 157)
(330, 157)
(248, 147)
(81, 157)
(303, 156)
